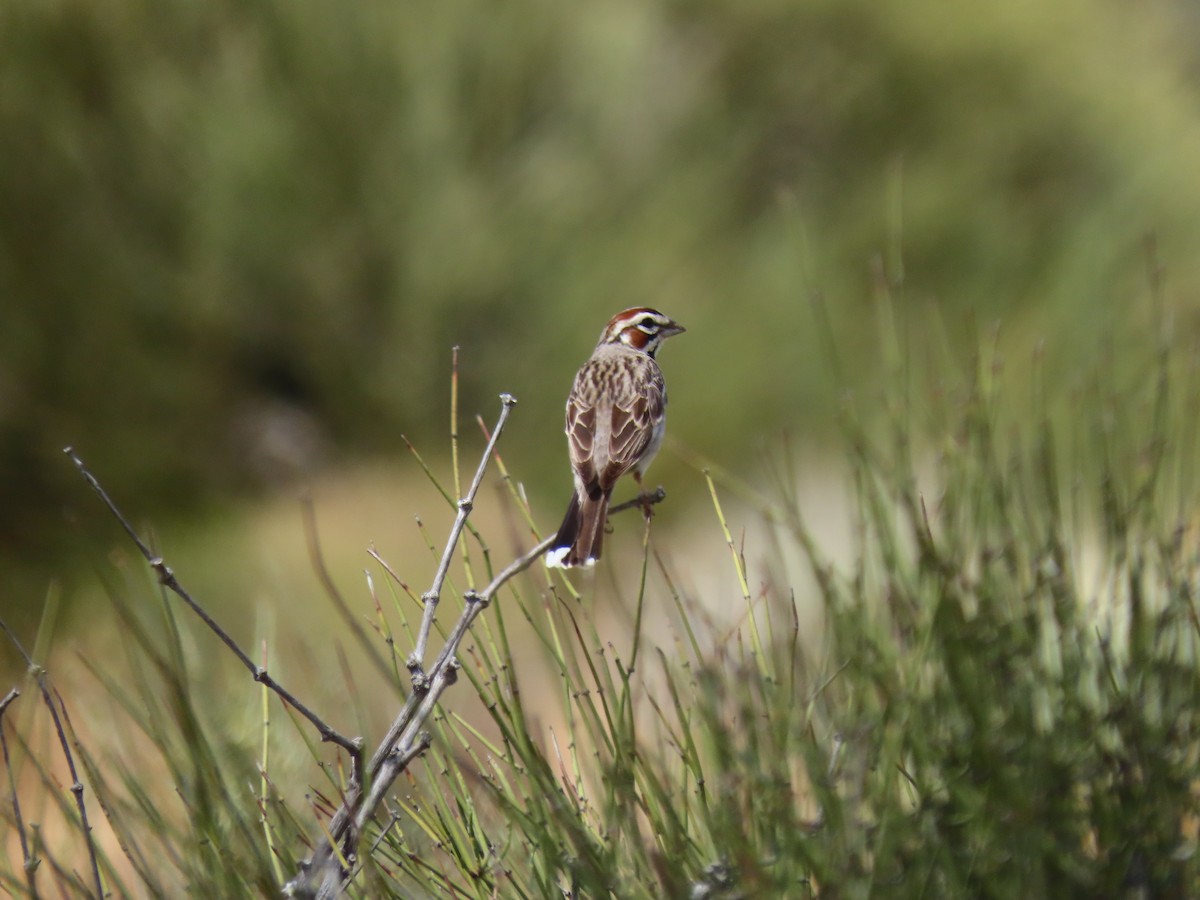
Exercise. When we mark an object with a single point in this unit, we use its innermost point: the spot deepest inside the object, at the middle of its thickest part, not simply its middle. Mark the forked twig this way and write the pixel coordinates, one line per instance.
(39, 677)
(641, 501)
(323, 874)
(166, 577)
(323, 877)
(26, 861)
(416, 659)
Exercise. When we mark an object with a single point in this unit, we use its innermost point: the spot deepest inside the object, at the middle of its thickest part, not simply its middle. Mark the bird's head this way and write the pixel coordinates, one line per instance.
(640, 328)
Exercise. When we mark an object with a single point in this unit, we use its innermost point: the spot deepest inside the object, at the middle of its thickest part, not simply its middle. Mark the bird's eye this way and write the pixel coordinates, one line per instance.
(648, 325)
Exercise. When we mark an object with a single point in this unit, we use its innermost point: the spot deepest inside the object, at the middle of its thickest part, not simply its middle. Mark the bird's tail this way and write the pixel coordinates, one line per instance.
(581, 534)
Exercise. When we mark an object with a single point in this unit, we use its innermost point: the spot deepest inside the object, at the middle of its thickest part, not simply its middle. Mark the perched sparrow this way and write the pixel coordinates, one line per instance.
(616, 415)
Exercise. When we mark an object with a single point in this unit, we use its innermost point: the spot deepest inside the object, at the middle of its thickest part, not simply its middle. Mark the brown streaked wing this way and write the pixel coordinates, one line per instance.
(584, 404)
(581, 431)
(633, 421)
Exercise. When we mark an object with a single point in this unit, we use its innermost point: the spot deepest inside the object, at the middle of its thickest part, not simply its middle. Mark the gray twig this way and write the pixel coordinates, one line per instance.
(395, 754)
(641, 501)
(166, 577)
(28, 864)
(322, 875)
(416, 660)
(39, 677)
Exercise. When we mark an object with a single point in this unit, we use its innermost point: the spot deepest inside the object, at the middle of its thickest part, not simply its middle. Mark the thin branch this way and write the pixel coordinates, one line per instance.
(39, 677)
(166, 577)
(375, 555)
(28, 864)
(402, 743)
(322, 877)
(476, 603)
(325, 873)
(416, 660)
(641, 501)
(406, 740)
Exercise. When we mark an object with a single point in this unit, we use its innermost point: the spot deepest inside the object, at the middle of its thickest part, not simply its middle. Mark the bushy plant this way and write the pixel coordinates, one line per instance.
(999, 699)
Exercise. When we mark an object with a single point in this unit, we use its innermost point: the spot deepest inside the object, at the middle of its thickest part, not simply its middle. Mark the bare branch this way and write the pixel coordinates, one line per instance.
(166, 577)
(39, 677)
(28, 864)
(416, 660)
(396, 753)
(7, 701)
(336, 858)
(322, 876)
(641, 501)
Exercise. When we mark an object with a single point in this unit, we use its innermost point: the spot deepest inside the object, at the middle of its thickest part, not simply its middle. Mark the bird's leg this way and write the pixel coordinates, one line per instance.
(647, 506)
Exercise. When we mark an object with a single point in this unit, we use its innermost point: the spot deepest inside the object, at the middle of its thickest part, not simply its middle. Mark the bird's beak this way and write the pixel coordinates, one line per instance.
(673, 328)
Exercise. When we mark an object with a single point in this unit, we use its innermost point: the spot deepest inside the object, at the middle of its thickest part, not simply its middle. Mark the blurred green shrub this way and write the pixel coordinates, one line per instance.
(239, 239)
(991, 694)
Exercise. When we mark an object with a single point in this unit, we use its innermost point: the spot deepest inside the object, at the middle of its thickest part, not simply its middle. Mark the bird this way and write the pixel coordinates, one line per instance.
(616, 417)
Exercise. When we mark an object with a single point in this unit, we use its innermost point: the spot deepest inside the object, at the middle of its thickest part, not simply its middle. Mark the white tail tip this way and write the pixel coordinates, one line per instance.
(557, 559)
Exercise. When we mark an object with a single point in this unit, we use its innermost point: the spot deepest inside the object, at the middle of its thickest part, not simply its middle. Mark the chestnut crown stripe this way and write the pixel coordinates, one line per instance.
(641, 328)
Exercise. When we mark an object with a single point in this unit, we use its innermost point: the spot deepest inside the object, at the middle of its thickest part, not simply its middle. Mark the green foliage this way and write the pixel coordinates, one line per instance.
(168, 775)
(999, 698)
(997, 709)
(274, 218)
(1014, 703)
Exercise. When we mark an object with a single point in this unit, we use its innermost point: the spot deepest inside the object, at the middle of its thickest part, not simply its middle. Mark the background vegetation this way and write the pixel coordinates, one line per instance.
(994, 695)
(237, 241)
